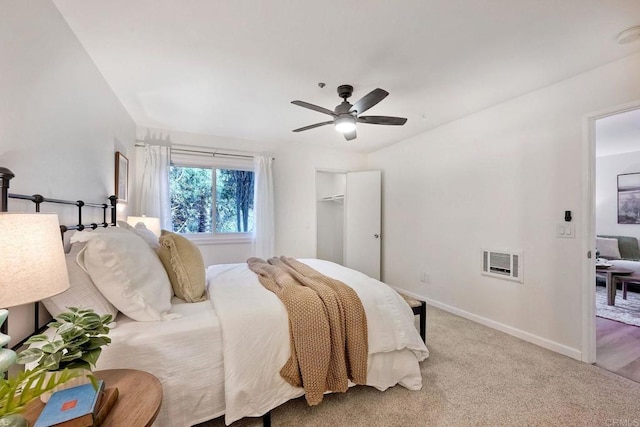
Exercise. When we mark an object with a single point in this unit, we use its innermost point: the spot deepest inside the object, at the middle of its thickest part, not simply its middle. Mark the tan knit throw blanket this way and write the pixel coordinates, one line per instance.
(327, 327)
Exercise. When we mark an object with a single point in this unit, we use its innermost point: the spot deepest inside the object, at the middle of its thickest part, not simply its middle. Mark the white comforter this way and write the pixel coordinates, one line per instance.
(184, 354)
(255, 335)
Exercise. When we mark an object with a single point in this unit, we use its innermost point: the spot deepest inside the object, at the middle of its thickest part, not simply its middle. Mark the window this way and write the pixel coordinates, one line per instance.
(234, 201)
(211, 201)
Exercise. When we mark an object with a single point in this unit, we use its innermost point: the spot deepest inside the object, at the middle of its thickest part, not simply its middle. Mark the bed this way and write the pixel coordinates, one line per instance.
(204, 376)
(222, 355)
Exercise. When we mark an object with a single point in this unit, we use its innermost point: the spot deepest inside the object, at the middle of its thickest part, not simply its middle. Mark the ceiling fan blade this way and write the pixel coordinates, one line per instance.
(368, 101)
(382, 120)
(350, 135)
(313, 126)
(314, 107)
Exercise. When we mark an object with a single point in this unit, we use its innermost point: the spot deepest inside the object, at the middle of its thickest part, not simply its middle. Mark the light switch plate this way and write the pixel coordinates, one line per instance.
(566, 231)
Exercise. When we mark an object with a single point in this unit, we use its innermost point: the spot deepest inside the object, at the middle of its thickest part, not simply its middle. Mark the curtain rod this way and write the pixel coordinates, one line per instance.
(139, 143)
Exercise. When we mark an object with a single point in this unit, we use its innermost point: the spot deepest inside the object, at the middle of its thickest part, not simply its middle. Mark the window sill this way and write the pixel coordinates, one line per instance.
(219, 240)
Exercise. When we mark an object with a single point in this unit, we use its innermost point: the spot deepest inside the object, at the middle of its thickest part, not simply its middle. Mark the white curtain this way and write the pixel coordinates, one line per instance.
(263, 208)
(154, 192)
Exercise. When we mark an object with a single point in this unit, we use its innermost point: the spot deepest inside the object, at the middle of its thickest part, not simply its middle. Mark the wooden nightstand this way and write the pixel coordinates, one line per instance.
(140, 396)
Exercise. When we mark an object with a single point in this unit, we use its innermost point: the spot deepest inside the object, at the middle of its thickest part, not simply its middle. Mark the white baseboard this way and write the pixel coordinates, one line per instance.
(526, 336)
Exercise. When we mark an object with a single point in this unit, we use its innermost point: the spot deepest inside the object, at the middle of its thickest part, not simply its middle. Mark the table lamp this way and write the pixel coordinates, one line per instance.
(152, 223)
(32, 266)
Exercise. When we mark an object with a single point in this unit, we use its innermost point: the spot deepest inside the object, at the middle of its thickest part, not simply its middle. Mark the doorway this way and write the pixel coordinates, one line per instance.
(615, 231)
(348, 219)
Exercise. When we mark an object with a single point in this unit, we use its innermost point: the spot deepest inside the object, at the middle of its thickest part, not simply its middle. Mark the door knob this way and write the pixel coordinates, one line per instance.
(376, 236)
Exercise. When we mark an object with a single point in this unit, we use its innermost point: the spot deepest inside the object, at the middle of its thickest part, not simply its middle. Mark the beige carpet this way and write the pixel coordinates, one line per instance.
(481, 377)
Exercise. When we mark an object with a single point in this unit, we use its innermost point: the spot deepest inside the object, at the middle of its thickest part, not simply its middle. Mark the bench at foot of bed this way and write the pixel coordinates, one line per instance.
(419, 309)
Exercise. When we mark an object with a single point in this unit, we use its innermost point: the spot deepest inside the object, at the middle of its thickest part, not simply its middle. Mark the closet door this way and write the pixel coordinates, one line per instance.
(362, 222)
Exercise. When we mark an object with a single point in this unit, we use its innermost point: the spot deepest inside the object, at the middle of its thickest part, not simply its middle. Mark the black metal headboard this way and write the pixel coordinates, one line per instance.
(5, 177)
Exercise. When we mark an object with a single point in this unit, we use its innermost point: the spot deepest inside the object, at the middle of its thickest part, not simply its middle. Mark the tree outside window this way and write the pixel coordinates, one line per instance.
(211, 200)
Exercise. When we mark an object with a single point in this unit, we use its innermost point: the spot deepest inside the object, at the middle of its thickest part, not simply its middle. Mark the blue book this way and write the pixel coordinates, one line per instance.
(76, 406)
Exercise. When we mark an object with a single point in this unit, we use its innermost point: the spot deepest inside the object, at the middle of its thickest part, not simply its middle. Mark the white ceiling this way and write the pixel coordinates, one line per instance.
(232, 67)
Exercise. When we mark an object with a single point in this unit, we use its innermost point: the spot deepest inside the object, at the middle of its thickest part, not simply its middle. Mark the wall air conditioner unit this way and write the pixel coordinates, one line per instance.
(502, 264)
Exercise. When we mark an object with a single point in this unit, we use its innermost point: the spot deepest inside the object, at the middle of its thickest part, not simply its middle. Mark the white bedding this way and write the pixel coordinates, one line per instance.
(256, 337)
(248, 329)
(185, 354)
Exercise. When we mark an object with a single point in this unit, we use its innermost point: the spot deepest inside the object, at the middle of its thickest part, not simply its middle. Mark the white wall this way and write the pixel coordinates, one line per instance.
(500, 179)
(607, 170)
(294, 171)
(60, 123)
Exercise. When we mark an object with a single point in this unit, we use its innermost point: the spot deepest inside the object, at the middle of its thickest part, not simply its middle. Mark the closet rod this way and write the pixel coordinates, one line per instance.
(139, 143)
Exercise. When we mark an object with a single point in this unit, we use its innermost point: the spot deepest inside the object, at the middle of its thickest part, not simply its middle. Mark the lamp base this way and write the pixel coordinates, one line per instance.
(13, 420)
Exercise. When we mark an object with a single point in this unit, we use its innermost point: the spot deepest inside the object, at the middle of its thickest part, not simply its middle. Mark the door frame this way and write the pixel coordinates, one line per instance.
(589, 224)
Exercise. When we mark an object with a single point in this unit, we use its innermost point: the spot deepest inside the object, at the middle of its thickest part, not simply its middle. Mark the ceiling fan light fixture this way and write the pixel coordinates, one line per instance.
(345, 124)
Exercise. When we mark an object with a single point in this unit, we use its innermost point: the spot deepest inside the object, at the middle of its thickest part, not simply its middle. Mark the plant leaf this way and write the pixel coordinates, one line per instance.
(97, 342)
(29, 355)
(94, 381)
(66, 317)
(78, 364)
(51, 362)
(71, 356)
(37, 338)
(92, 356)
(53, 346)
(65, 327)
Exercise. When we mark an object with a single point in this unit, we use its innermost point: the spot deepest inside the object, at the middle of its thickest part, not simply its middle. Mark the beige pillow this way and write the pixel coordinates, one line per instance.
(608, 248)
(184, 265)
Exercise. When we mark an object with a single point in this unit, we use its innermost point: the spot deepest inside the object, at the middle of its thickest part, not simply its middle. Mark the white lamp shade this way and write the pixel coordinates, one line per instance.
(32, 264)
(152, 223)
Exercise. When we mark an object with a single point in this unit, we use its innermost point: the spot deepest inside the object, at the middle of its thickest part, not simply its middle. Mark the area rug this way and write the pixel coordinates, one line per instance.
(625, 311)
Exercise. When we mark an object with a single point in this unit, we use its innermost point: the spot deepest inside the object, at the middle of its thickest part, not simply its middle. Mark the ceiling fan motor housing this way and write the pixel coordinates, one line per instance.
(343, 108)
(345, 91)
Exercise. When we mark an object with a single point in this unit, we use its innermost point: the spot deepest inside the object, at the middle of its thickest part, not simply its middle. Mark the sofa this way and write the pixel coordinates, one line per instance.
(628, 248)
(621, 251)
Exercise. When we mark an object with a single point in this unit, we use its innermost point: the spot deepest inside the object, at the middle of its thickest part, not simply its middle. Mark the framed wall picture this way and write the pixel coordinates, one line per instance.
(122, 177)
(629, 198)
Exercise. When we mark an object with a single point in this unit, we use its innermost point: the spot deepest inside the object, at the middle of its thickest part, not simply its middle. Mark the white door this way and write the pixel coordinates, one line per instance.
(362, 222)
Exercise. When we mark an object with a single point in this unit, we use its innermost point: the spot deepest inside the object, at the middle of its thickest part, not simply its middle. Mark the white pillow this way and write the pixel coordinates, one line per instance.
(608, 248)
(141, 230)
(124, 224)
(128, 273)
(82, 292)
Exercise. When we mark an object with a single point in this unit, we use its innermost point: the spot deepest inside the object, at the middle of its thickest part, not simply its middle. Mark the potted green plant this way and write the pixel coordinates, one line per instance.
(76, 344)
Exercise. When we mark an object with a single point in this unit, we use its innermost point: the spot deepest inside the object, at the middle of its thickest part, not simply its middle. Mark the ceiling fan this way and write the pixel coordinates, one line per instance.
(345, 116)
